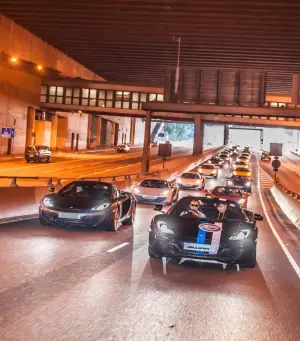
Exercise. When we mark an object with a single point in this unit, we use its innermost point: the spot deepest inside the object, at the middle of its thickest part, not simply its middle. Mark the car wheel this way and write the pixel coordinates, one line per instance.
(249, 260)
(155, 252)
(27, 160)
(215, 176)
(48, 160)
(113, 225)
(43, 221)
(130, 220)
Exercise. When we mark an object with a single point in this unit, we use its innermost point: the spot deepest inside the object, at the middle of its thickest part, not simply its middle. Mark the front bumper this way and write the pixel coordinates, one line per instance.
(230, 253)
(87, 219)
(154, 200)
(209, 174)
(189, 186)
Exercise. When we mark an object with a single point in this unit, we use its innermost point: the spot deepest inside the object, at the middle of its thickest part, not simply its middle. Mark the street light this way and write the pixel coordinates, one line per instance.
(178, 40)
(14, 60)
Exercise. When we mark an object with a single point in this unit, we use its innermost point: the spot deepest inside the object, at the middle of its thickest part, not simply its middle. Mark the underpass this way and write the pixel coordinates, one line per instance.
(96, 272)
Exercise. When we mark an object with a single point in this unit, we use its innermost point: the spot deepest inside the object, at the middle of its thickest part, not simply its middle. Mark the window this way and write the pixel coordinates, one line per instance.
(160, 97)
(68, 98)
(52, 90)
(76, 95)
(143, 97)
(43, 98)
(115, 192)
(44, 90)
(152, 97)
(122, 99)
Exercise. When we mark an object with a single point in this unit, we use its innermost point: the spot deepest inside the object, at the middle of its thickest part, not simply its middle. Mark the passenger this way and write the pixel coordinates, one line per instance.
(225, 213)
(194, 210)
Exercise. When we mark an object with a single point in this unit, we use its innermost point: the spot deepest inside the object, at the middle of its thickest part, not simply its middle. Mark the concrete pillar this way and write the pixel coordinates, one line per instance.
(113, 132)
(89, 131)
(54, 122)
(146, 150)
(132, 131)
(226, 134)
(98, 131)
(30, 126)
(198, 135)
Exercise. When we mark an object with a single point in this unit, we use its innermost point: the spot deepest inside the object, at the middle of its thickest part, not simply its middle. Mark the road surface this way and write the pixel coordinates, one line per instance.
(76, 285)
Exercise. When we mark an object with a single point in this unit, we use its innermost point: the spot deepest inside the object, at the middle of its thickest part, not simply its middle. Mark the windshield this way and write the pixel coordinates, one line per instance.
(242, 170)
(215, 159)
(208, 167)
(206, 208)
(241, 163)
(227, 191)
(42, 148)
(154, 184)
(86, 190)
(190, 176)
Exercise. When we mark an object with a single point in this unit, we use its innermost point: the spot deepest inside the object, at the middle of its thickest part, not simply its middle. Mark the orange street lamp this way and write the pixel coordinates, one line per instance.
(14, 60)
(39, 67)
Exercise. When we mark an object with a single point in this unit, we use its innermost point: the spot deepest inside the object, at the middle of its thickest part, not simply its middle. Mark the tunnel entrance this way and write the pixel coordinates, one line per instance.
(246, 136)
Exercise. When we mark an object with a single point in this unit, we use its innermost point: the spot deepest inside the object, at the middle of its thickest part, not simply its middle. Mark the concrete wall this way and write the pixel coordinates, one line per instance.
(124, 127)
(139, 131)
(17, 41)
(18, 91)
(74, 123)
(42, 131)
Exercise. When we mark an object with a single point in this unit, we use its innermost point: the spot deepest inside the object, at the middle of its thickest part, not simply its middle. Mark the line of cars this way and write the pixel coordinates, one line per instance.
(216, 228)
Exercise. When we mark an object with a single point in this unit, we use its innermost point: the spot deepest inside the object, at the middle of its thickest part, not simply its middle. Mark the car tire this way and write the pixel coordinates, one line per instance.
(131, 219)
(43, 221)
(113, 224)
(249, 260)
(155, 252)
(27, 160)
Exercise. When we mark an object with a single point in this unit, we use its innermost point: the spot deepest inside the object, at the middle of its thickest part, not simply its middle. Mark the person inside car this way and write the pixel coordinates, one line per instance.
(194, 210)
(225, 213)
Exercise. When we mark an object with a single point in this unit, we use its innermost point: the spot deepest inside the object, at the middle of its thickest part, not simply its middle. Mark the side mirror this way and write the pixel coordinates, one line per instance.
(158, 208)
(51, 189)
(258, 217)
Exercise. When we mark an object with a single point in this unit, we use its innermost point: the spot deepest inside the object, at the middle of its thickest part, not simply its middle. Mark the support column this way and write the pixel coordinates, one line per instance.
(198, 135)
(54, 123)
(98, 132)
(113, 132)
(132, 131)
(295, 88)
(30, 126)
(89, 131)
(146, 150)
(226, 134)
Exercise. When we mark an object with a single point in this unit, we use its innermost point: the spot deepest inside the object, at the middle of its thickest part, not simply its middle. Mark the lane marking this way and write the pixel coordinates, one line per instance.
(275, 233)
(117, 247)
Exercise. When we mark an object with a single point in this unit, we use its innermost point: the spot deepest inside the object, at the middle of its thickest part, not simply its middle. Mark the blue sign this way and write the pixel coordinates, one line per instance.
(8, 132)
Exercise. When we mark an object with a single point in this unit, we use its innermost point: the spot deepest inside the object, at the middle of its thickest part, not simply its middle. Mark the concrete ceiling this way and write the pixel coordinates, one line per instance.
(130, 41)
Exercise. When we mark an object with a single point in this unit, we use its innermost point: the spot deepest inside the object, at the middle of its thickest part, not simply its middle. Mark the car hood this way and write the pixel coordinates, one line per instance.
(189, 181)
(152, 191)
(74, 203)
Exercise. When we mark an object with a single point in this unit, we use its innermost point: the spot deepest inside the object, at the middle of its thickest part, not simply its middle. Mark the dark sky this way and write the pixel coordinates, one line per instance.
(131, 41)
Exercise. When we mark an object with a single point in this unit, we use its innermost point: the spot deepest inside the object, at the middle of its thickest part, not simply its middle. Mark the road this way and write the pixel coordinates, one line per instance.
(84, 165)
(66, 285)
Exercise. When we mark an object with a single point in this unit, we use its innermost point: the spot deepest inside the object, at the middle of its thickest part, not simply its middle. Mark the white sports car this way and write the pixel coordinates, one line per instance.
(156, 191)
(191, 180)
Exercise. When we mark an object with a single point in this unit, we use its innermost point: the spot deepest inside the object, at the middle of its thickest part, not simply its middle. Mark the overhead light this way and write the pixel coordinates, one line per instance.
(79, 111)
(39, 67)
(14, 60)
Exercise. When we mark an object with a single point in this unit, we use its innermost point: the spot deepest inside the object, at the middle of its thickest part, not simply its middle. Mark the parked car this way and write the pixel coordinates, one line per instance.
(38, 154)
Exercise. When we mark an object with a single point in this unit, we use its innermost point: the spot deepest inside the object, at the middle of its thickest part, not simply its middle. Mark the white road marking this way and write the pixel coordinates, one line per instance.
(164, 263)
(281, 243)
(117, 247)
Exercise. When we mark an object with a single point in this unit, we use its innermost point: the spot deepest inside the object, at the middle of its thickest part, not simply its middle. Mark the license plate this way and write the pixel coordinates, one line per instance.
(67, 215)
(196, 247)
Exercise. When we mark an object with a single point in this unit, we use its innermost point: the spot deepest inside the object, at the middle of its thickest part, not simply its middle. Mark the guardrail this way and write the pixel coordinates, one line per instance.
(289, 192)
(58, 180)
(295, 153)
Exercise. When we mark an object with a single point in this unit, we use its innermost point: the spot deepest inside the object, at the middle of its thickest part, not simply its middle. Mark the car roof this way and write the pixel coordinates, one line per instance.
(190, 172)
(82, 182)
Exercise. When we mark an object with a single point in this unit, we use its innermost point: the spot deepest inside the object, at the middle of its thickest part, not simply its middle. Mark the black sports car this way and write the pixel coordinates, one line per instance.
(222, 232)
(216, 161)
(94, 204)
(242, 182)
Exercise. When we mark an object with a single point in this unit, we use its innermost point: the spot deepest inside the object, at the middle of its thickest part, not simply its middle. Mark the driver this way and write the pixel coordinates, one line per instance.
(225, 213)
(194, 210)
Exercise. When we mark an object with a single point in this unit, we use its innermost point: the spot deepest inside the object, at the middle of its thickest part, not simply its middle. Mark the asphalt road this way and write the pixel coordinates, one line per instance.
(66, 285)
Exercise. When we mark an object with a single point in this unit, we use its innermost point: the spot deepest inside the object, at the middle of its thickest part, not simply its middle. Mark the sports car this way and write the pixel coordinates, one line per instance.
(156, 191)
(243, 158)
(225, 233)
(229, 193)
(209, 170)
(224, 156)
(93, 204)
(240, 164)
(243, 182)
(191, 180)
(216, 161)
(241, 171)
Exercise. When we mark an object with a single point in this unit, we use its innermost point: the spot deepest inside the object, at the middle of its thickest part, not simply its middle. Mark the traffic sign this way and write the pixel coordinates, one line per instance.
(8, 132)
(276, 164)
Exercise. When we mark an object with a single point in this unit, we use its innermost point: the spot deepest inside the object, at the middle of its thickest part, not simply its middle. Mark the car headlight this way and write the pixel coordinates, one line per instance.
(249, 173)
(136, 190)
(234, 173)
(240, 235)
(230, 183)
(179, 181)
(241, 201)
(220, 162)
(100, 207)
(214, 171)
(163, 227)
(208, 161)
(248, 183)
(47, 202)
(200, 170)
(165, 192)
(198, 182)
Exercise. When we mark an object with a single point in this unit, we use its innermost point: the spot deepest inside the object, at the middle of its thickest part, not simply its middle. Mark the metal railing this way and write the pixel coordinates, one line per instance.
(49, 180)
